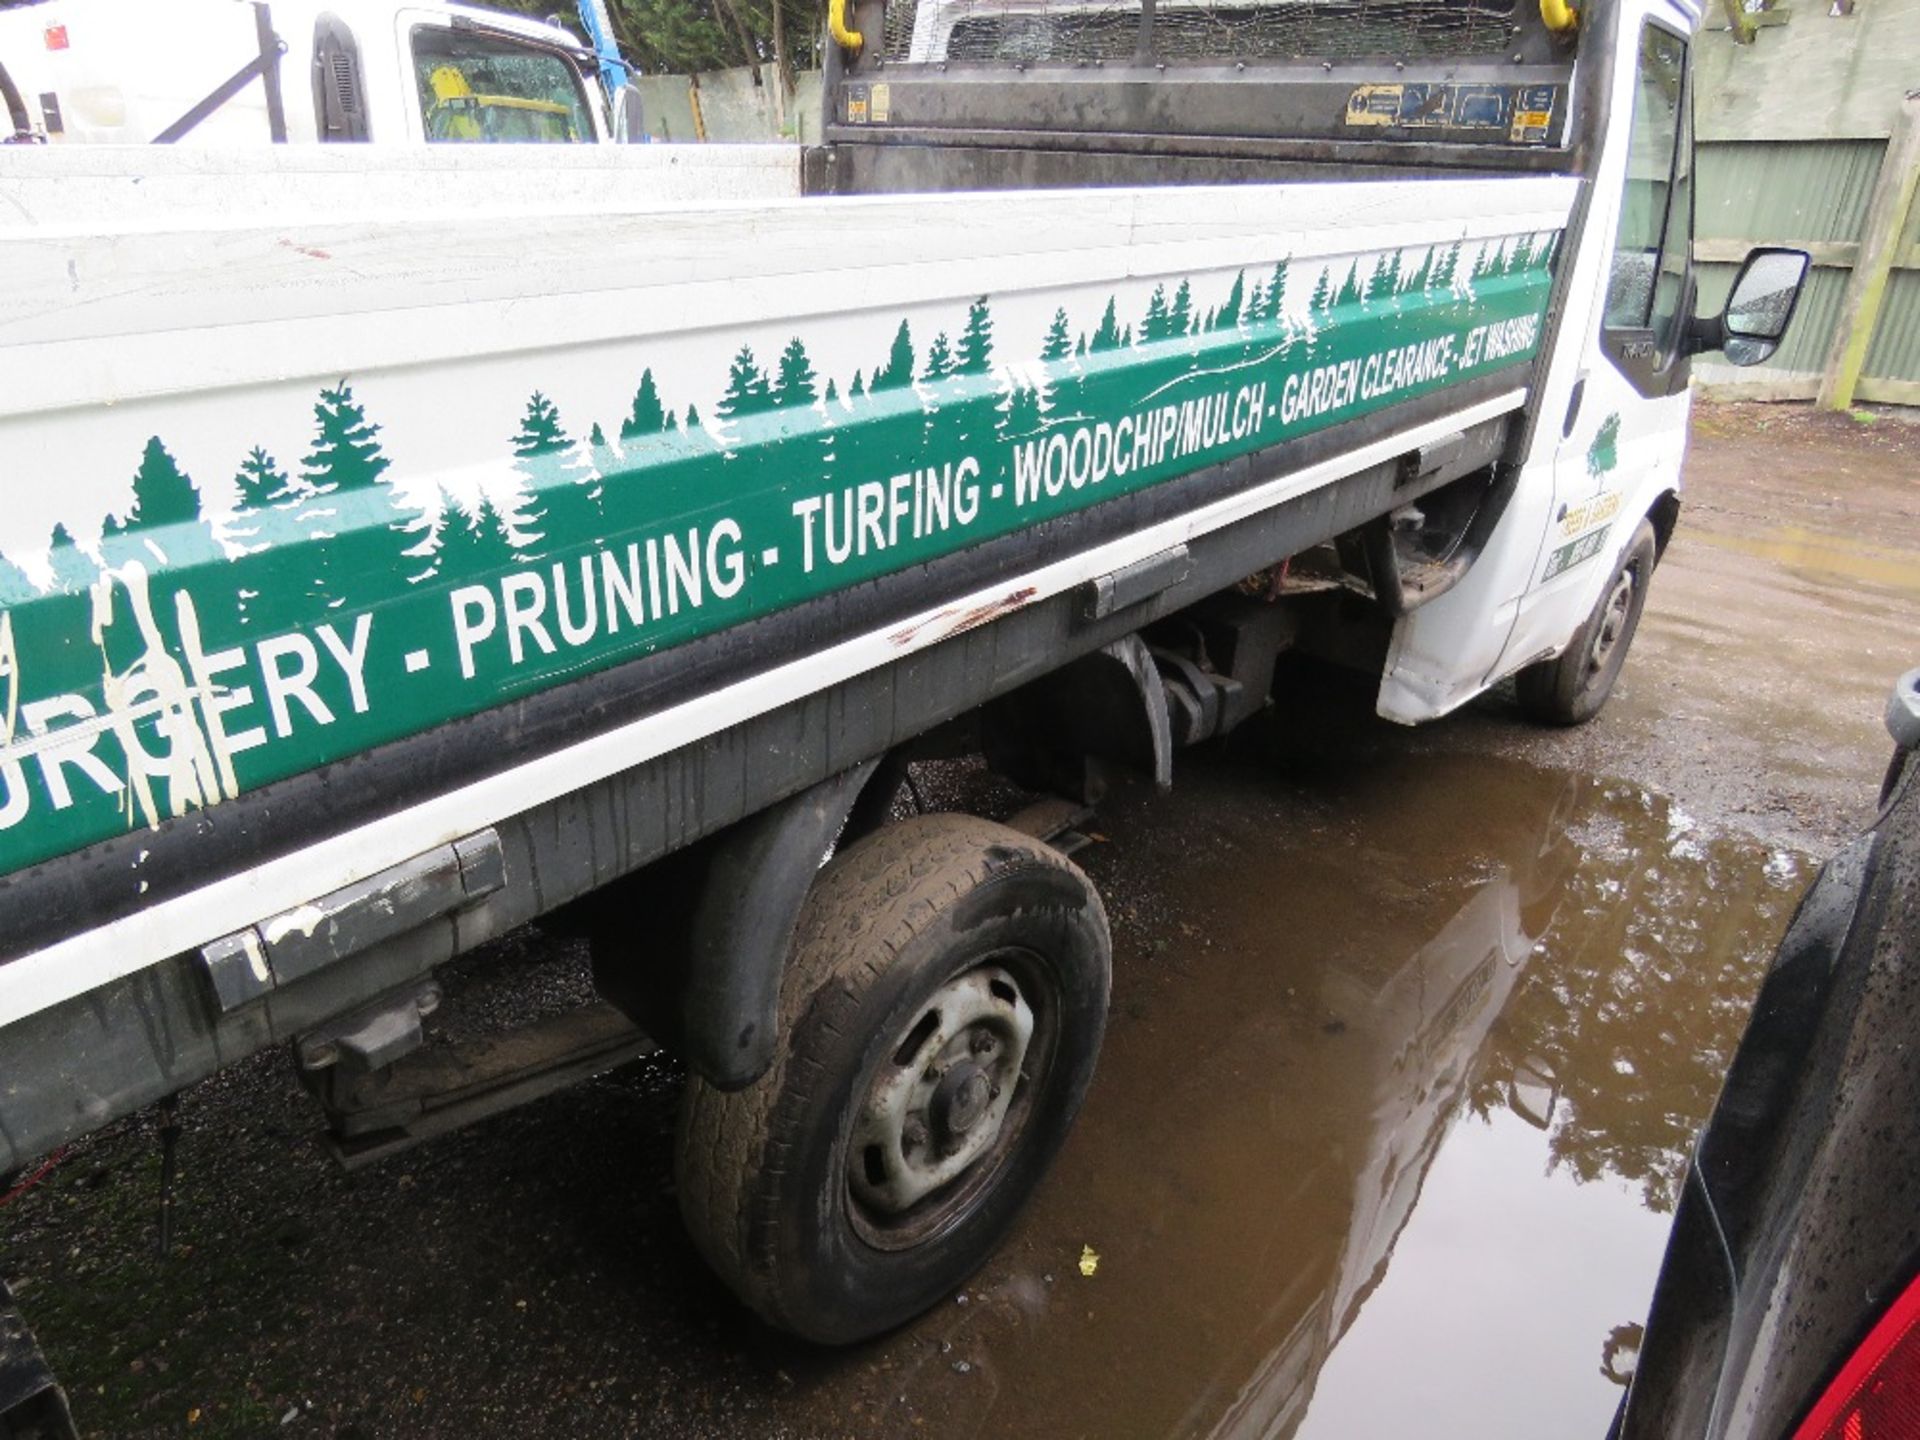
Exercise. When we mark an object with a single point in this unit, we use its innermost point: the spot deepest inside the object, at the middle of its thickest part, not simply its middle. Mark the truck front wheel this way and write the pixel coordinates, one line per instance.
(940, 1017)
(1570, 689)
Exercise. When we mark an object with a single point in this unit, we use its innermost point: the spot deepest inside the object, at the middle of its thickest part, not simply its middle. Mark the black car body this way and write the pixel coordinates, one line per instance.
(1788, 1303)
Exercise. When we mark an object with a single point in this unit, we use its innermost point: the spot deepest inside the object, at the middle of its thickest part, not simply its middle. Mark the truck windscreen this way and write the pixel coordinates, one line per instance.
(481, 87)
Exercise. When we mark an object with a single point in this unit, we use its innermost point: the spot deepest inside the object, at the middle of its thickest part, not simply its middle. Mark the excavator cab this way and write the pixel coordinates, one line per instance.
(492, 88)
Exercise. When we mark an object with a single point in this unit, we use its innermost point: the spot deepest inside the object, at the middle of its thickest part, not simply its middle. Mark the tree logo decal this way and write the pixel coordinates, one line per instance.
(1604, 454)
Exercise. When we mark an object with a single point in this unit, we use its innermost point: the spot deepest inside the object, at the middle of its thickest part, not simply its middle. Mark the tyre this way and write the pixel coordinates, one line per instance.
(1570, 689)
(940, 1018)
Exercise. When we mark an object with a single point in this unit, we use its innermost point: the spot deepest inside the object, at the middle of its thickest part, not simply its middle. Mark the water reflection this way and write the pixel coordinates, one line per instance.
(1422, 1041)
(1650, 975)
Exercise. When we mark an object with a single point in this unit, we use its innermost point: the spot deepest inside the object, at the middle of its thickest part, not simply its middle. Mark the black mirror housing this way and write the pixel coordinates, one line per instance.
(629, 124)
(1760, 306)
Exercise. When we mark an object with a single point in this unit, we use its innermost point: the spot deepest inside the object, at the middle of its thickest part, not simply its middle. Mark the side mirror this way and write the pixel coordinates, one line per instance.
(629, 125)
(1760, 306)
(1533, 1091)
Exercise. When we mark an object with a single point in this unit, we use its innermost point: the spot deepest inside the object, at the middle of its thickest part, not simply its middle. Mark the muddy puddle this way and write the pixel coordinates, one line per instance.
(1824, 558)
(1405, 1055)
(1404, 1062)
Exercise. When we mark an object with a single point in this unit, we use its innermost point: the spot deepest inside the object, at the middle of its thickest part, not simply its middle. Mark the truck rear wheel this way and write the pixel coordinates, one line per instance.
(940, 1018)
(1570, 689)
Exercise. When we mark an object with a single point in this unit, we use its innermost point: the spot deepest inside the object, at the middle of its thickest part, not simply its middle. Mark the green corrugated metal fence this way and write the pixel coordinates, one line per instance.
(1794, 134)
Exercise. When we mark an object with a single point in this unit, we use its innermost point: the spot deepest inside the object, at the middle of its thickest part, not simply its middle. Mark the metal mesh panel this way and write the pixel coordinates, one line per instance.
(1074, 31)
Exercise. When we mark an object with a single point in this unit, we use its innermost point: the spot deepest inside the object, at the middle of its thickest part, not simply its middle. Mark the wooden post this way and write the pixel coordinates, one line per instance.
(1867, 287)
(1738, 21)
(693, 102)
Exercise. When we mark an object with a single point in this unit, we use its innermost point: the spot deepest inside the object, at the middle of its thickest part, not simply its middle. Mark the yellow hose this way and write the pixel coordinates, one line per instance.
(1559, 16)
(853, 39)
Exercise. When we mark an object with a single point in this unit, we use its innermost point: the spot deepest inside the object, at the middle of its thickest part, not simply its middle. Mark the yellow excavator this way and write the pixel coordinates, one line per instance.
(457, 113)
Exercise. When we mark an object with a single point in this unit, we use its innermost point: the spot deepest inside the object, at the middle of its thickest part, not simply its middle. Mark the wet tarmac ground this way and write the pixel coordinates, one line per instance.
(1411, 1031)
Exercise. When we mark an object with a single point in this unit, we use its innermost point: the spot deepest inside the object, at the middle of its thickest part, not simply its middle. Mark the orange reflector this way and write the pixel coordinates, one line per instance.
(1876, 1395)
(56, 37)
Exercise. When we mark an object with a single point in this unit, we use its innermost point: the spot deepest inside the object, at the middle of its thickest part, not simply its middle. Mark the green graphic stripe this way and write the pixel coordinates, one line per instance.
(188, 673)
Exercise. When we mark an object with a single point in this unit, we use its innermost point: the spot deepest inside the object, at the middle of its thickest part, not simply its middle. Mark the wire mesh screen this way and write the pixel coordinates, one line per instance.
(1074, 31)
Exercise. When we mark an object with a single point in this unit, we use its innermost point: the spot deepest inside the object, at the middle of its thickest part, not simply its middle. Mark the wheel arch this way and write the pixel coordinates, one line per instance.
(1108, 704)
(693, 947)
(1664, 516)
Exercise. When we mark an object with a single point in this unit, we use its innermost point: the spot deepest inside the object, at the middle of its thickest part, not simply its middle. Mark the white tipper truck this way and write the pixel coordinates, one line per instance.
(248, 72)
(405, 543)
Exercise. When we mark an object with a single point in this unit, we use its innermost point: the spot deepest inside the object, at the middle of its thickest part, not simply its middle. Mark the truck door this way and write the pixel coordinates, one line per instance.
(1612, 402)
(1624, 432)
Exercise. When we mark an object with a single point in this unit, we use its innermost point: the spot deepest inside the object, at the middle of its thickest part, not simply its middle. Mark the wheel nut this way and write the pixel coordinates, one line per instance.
(914, 1137)
(982, 1043)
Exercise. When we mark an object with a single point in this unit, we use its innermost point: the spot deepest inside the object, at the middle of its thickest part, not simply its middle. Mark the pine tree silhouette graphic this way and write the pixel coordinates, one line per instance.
(74, 571)
(559, 503)
(647, 416)
(163, 527)
(338, 497)
(976, 341)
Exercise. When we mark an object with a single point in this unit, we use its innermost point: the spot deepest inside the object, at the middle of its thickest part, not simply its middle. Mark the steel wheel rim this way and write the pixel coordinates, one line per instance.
(939, 1111)
(1613, 622)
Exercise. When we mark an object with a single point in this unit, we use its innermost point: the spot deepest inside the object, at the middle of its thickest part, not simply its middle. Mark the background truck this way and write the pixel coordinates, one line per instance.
(246, 72)
(401, 546)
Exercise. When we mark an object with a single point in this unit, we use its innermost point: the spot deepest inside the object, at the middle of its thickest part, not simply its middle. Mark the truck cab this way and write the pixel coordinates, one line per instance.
(247, 73)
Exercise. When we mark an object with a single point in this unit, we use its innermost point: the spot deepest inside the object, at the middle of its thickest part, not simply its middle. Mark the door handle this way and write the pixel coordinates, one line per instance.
(1573, 407)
